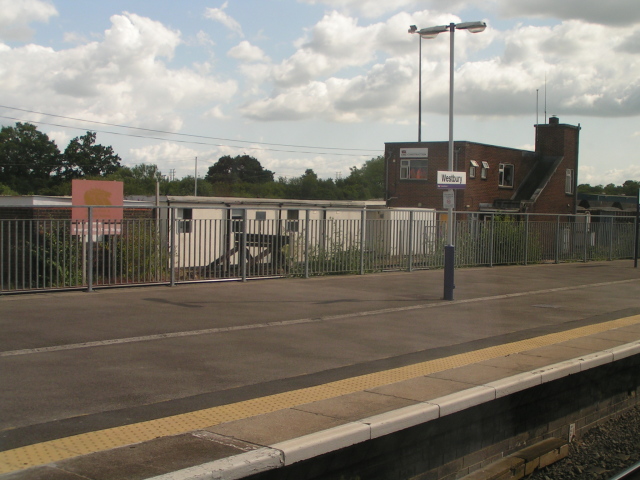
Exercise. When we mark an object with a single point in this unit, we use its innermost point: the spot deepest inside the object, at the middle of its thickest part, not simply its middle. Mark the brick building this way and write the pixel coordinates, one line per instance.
(499, 179)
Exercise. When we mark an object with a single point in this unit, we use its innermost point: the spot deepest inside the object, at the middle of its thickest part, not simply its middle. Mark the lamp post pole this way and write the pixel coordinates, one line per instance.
(414, 29)
(449, 249)
(420, 90)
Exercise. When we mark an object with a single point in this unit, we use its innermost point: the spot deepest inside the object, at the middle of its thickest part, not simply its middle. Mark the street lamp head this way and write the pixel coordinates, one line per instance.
(432, 32)
(473, 27)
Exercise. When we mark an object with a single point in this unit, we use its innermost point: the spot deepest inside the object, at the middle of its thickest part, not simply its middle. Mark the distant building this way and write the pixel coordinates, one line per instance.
(499, 179)
(614, 205)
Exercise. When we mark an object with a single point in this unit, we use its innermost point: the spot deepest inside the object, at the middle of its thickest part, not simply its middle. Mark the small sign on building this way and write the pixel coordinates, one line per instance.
(451, 179)
(414, 153)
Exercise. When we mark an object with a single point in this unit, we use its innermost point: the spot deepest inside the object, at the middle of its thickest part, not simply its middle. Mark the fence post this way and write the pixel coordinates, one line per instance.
(526, 238)
(90, 252)
(243, 246)
(306, 244)
(172, 245)
(612, 223)
(557, 253)
(586, 237)
(411, 240)
(363, 224)
(493, 218)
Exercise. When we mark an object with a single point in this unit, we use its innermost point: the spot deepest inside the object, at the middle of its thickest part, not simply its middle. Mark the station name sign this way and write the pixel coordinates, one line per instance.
(451, 179)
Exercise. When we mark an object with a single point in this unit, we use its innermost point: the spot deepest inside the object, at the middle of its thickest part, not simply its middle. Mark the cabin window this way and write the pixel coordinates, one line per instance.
(293, 220)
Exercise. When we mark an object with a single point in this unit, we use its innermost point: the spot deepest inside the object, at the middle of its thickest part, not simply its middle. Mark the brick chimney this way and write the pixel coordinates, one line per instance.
(558, 140)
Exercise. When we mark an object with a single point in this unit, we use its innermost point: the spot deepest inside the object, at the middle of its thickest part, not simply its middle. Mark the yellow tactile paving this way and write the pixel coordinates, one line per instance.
(60, 449)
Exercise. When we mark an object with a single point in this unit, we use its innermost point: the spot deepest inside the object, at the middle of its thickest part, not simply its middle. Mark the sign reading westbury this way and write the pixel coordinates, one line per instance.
(451, 179)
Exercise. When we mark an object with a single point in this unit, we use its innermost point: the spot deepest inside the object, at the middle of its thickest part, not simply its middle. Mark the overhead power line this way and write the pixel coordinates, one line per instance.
(163, 132)
(192, 142)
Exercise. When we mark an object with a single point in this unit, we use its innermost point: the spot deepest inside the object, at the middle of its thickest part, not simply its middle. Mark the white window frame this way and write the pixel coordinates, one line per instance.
(473, 168)
(502, 175)
(484, 171)
(405, 168)
(568, 181)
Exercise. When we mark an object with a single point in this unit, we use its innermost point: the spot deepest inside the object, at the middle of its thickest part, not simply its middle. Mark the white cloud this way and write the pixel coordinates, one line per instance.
(367, 8)
(219, 15)
(590, 70)
(203, 38)
(596, 176)
(246, 52)
(16, 15)
(75, 38)
(61, 138)
(169, 156)
(614, 12)
(122, 79)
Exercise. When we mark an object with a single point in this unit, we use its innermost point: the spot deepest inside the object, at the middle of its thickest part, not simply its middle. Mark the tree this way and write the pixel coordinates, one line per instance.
(83, 158)
(630, 188)
(366, 182)
(586, 188)
(242, 168)
(28, 158)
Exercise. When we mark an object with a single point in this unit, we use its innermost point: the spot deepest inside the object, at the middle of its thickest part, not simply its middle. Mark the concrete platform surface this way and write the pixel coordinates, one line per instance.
(143, 382)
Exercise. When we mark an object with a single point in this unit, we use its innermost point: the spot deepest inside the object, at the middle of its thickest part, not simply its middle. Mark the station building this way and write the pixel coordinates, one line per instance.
(499, 179)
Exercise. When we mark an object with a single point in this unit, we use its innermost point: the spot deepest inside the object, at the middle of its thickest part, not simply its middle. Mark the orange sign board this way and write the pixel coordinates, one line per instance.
(101, 194)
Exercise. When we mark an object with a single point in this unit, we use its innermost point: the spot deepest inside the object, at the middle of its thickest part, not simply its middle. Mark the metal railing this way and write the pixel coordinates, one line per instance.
(160, 246)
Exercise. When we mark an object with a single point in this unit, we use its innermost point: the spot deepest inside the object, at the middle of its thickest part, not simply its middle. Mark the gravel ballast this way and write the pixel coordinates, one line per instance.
(600, 453)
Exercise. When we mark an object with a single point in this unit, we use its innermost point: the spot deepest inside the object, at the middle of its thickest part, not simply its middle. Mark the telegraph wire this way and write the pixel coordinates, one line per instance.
(194, 142)
(179, 134)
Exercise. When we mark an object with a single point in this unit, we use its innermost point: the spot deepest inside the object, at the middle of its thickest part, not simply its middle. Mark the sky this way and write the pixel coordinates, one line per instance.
(321, 84)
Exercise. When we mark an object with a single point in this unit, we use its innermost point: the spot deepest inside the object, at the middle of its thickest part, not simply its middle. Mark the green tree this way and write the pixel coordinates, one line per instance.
(586, 188)
(366, 182)
(83, 158)
(138, 180)
(242, 168)
(28, 159)
(630, 188)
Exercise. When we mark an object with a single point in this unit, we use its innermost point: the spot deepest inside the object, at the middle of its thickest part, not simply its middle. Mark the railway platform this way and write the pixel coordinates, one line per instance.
(313, 378)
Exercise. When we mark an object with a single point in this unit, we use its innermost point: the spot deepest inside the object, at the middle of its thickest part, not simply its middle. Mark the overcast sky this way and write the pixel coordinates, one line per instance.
(321, 84)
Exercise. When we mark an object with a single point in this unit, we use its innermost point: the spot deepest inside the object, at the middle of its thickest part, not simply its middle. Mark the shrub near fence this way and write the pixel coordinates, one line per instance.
(43, 254)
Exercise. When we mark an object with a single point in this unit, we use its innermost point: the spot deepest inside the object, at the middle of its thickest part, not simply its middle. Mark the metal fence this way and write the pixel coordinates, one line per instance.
(167, 246)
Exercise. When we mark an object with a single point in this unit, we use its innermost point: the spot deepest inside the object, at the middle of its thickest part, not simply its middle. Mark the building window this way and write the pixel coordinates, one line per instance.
(293, 222)
(505, 175)
(484, 171)
(413, 169)
(185, 215)
(261, 216)
(473, 168)
(237, 216)
(568, 182)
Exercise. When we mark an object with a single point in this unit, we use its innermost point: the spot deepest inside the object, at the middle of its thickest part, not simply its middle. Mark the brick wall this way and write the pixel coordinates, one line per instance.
(553, 139)
(556, 139)
(424, 193)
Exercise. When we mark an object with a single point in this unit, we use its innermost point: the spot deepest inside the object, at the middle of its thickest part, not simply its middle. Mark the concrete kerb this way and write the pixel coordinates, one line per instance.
(306, 447)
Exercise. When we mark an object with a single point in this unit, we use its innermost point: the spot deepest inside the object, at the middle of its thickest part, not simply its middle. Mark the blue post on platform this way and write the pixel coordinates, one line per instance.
(449, 264)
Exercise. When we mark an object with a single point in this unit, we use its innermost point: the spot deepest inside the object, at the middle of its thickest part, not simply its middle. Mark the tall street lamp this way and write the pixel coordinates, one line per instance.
(428, 33)
(414, 29)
